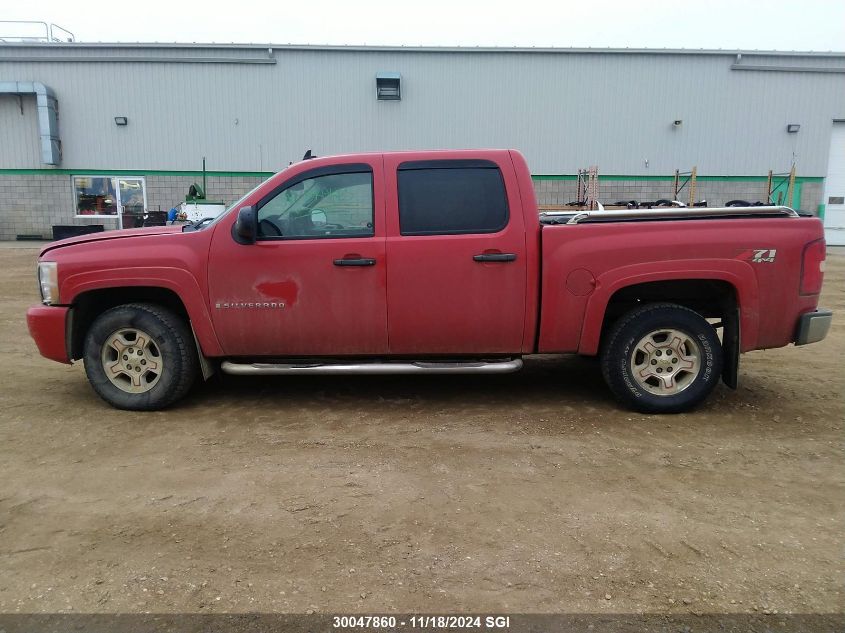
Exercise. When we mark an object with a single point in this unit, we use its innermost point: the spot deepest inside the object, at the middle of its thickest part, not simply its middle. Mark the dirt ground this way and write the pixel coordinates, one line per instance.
(532, 492)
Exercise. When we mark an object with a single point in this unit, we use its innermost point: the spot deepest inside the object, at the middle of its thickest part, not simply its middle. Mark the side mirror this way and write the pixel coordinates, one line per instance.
(245, 229)
(318, 216)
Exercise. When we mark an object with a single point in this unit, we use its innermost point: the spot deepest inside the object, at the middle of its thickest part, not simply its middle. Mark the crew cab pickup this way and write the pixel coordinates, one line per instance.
(429, 262)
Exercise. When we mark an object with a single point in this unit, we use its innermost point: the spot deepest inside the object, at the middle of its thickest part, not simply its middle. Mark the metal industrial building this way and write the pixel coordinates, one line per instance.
(86, 129)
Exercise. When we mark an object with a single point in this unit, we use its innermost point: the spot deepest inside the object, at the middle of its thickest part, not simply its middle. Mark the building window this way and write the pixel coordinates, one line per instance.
(124, 198)
(448, 198)
(387, 87)
(94, 195)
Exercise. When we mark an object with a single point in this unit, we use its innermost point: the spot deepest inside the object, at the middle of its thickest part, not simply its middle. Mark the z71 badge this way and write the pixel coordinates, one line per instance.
(760, 255)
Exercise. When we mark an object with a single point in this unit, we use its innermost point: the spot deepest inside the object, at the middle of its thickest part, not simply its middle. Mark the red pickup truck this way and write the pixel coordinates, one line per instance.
(429, 262)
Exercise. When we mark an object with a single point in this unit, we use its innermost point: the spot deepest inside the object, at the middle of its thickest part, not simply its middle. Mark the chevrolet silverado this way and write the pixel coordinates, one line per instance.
(429, 262)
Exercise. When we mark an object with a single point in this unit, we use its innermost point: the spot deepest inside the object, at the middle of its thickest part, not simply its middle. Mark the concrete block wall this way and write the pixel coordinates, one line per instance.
(812, 195)
(32, 204)
(165, 192)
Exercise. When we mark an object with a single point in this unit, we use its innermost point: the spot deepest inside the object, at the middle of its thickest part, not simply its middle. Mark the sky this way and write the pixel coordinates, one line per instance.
(817, 25)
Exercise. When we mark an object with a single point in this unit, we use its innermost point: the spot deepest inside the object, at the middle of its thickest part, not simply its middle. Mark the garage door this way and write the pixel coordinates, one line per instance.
(834, 188)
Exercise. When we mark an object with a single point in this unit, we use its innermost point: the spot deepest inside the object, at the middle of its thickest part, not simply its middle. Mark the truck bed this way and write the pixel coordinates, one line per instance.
(587, 257)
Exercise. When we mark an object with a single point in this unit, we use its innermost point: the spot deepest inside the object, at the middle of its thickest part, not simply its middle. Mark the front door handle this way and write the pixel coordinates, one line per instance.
(355, 261)
(495, 257)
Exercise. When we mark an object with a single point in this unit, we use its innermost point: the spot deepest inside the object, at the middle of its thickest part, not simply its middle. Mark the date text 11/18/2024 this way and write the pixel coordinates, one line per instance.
(421, 622)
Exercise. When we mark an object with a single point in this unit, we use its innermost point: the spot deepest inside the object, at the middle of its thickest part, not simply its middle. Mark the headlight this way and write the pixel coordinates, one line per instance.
(48, 280)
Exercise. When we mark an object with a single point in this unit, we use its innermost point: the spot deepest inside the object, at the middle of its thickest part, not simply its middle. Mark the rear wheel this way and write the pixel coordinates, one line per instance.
(140, 357)
(662, 358)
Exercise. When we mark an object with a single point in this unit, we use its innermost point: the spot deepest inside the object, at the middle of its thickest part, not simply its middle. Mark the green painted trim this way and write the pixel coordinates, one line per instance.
(671, 178)
(551, 177)
(132, 172)
(820, 212)
(267, 174)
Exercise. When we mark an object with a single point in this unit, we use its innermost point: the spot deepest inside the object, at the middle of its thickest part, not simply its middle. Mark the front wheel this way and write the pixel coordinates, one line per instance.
(140, 357)
(662, 358)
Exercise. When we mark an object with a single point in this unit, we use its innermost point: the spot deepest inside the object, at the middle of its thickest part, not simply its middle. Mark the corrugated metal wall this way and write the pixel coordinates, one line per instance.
(563, 110)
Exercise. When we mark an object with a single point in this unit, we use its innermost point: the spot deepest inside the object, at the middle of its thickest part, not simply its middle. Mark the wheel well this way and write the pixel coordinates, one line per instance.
(89, 305)
(711, 298)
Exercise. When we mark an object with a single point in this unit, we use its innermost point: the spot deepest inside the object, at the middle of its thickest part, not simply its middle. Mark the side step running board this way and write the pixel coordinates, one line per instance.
(334, 369)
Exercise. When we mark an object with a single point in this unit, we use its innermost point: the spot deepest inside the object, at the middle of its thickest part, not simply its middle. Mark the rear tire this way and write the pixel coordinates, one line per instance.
(661, 358)
(140, 357)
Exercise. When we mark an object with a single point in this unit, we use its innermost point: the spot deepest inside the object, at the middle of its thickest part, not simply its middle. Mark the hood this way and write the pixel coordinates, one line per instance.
(111, 235)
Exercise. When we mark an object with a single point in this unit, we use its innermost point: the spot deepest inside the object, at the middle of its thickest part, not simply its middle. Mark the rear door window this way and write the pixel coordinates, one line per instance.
(451, 197)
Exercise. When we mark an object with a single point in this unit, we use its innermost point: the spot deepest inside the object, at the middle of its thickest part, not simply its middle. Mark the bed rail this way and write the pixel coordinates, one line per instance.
(668, 213)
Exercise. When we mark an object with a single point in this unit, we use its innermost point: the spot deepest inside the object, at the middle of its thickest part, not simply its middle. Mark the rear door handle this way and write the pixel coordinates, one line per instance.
(359, 261)
(495, 257)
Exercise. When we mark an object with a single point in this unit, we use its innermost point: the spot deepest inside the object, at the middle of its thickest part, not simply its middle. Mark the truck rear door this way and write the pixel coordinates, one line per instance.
(456, 253)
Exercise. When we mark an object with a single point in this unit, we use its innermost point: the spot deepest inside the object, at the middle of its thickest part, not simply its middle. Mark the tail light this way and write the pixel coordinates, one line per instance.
(812, 268)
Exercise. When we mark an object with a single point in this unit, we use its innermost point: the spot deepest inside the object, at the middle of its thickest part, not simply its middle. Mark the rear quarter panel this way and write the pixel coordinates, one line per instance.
(585, 264)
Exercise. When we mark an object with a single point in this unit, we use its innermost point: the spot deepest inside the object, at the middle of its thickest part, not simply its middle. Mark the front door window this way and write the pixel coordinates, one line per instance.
(332, 205)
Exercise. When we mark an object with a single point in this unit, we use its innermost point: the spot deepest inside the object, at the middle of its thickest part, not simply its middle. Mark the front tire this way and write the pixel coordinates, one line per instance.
(140, 357)
(662, 358)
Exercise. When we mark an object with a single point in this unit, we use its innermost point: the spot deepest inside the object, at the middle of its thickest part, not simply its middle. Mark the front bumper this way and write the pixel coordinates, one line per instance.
(48, 327)
(813, 326)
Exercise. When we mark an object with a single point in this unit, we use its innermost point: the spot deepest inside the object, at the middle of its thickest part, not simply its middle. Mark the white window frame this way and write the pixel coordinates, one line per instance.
(119, 215)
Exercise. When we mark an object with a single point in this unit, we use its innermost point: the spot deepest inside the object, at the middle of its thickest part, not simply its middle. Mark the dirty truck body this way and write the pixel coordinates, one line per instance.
(429, 262)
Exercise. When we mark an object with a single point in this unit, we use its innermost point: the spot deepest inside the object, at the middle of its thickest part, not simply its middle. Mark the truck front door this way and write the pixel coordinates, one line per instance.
(314, 282)
(456, 252)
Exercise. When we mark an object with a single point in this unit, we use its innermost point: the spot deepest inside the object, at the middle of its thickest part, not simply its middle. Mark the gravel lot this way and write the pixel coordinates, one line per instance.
(531, 492)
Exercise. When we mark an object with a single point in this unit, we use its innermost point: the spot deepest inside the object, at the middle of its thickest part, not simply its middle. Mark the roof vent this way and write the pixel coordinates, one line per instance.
(387, 86)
